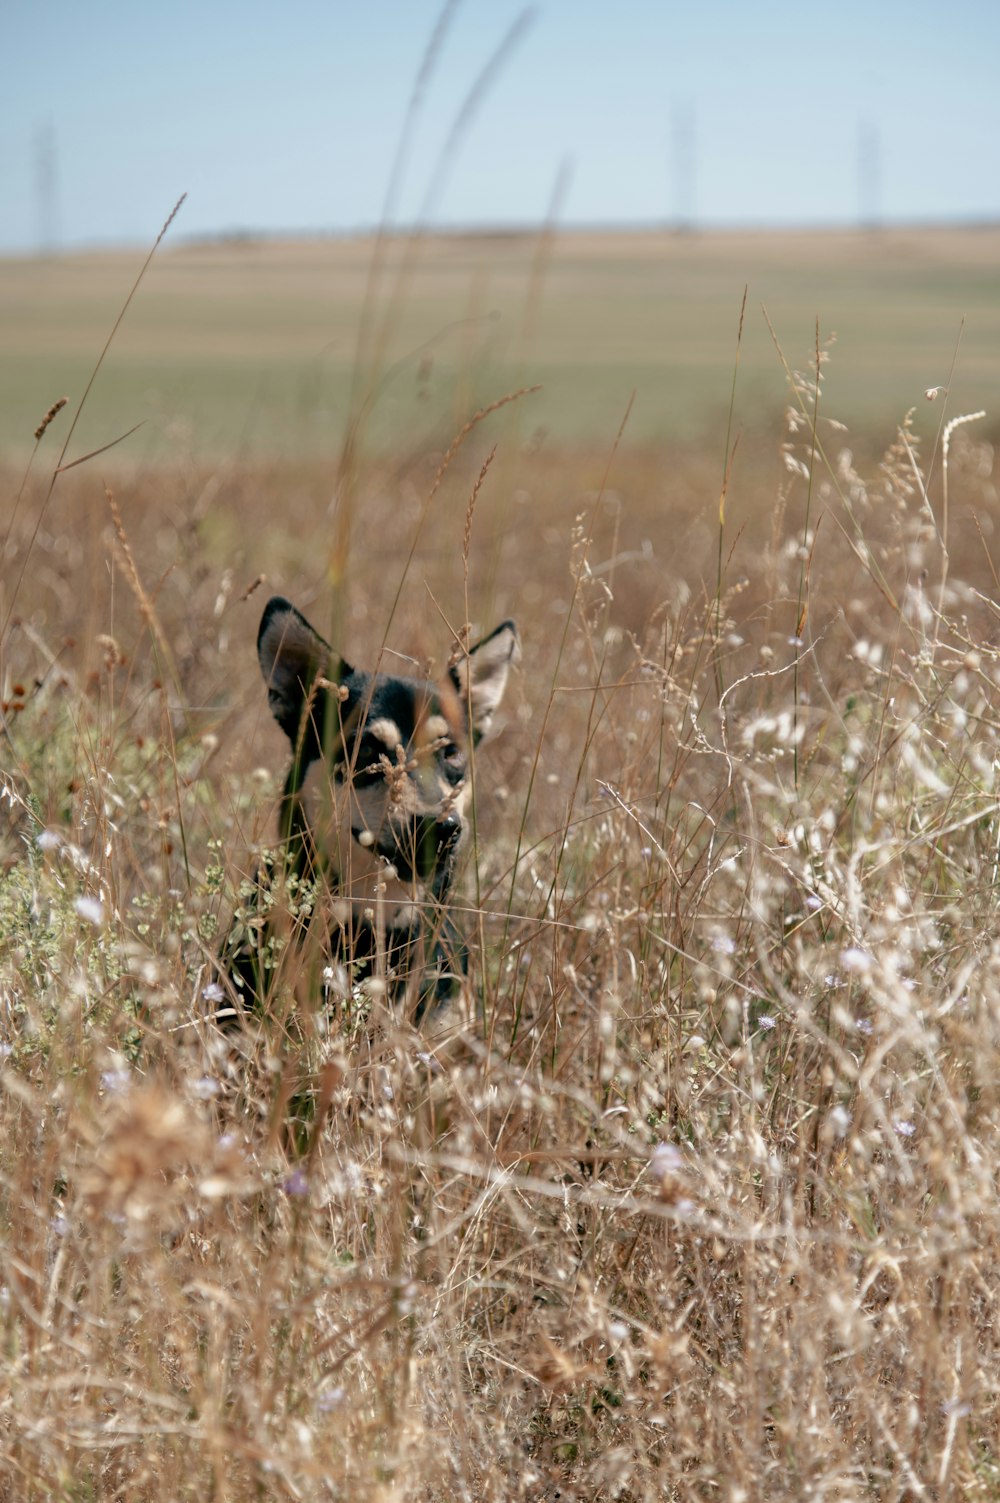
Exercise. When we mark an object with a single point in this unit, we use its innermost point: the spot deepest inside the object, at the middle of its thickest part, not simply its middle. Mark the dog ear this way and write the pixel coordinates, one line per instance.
(292, 655)
(480, 677)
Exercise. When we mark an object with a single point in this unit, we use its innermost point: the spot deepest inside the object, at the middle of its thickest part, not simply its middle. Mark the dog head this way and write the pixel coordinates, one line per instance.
(379, 763)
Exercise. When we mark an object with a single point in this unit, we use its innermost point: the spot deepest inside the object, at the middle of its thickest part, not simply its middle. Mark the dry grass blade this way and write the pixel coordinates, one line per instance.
(60, 462)
(102, 450)
(143, 600)
(116, 326)
(468, 427)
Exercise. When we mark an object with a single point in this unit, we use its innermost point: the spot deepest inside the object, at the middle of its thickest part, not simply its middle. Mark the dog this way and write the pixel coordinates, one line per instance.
(372, 820)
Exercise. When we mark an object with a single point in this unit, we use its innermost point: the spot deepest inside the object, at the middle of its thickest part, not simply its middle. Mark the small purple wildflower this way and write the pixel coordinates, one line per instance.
(666, 1159)
(330, 1399)
(295, 1183)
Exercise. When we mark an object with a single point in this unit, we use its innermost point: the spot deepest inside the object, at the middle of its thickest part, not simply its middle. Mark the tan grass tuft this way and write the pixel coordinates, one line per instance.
(52, 413)
(150, 1144)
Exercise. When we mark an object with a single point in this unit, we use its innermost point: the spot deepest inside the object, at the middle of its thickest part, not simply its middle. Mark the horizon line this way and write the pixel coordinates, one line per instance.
(517, 229)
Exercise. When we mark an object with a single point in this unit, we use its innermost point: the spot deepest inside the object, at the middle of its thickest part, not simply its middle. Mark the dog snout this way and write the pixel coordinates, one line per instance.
(436, 841)
(449, 832)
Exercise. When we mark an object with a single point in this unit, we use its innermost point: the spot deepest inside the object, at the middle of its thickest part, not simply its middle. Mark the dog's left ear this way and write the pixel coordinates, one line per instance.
(480, 677)
(292, 656)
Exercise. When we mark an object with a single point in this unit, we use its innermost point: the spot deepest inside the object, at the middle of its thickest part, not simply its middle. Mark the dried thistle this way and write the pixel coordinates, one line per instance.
(152, 1142)
(556, 1369)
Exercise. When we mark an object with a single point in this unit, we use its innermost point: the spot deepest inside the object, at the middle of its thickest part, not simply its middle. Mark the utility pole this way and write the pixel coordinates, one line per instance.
(869, 176)
(46, 189)
(683, 139)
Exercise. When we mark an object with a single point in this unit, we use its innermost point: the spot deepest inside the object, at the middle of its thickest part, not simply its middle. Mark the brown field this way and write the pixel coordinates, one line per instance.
(700, 1201)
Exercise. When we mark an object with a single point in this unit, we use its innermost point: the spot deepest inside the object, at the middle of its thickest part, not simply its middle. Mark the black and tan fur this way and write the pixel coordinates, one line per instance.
(372, 815)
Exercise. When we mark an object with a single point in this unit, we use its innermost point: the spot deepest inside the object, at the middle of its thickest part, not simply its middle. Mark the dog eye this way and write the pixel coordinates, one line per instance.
(366, 760)
(453, 757)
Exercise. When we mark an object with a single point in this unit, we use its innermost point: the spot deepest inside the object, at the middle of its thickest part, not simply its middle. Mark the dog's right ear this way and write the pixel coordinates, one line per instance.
(480, 676)
(292, 655)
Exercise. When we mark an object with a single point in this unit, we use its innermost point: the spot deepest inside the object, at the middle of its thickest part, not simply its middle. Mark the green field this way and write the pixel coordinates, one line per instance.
(251, 348)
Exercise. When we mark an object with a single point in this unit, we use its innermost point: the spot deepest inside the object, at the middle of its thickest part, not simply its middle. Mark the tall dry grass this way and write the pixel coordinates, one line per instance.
(703, 1202)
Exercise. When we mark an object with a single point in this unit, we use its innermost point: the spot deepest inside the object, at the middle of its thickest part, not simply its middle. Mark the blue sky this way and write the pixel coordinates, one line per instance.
(287, 116)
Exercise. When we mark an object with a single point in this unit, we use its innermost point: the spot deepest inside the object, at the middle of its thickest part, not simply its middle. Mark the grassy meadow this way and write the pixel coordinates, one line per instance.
(698, 1198)
(251, 349)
